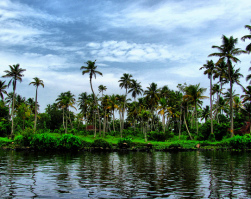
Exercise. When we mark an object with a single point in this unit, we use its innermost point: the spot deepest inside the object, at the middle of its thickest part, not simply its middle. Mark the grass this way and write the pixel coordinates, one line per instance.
(138, 142)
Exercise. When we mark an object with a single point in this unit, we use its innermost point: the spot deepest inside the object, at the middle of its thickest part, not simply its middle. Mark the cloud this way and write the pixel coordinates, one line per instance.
(123, 51)
(167, 15)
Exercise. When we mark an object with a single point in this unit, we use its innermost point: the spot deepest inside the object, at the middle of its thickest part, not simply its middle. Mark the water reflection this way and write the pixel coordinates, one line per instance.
(125, 175)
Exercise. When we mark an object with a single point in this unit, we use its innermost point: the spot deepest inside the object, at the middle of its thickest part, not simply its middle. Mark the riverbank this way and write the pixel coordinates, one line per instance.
(67, 142)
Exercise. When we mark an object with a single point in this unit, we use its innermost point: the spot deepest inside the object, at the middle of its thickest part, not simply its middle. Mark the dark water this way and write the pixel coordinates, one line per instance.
(125, 175)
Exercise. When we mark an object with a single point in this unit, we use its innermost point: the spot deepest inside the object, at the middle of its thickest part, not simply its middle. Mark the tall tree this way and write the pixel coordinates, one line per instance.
(248, 48)
(135, 89)
(209, 70)
(228, 52)
(102, 88)
(15, 73)
(37, 82)
(125, 82)
(84, 104)
(194, 93)
(152, 97)
(2, 89)
(66, 100)
(91, 70)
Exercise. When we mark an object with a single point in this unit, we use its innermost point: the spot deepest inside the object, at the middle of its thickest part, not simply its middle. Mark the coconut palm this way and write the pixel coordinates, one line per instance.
(247, 96)
(84, 104)
(66, 100)
(248, 48)
(91, 70)
(37, 82)
(163, 106)
(15, 73)
(152, 97)
(194, 93)
(125, 82)
(113, 106)
(135, 89)
(205, 113)
(102, 88)
(209, 70)
(228, 52)
(2, 89)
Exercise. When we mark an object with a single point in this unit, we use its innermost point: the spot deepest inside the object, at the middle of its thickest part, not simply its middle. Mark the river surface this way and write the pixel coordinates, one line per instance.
(194, 174)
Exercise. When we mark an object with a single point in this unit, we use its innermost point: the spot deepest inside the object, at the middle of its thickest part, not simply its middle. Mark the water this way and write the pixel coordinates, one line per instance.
(125, 175)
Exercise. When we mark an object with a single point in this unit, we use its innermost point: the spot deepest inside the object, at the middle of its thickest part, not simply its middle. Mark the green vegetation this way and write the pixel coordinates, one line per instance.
(162, 119)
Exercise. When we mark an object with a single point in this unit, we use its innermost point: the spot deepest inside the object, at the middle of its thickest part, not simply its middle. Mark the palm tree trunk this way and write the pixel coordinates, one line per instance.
(35, 123)
(12, 113)
(187, 127)
(180, 123)
(211, 105)
(231, 98)
(113, 121)
(196, 120)
(96, 105)
(95, 129)
(86, 121)
(231, 109)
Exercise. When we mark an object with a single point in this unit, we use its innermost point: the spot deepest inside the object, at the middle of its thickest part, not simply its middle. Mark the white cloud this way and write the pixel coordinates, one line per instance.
(122, 51)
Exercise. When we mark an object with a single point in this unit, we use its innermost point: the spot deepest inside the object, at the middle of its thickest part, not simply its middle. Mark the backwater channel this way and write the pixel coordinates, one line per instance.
(192, 174)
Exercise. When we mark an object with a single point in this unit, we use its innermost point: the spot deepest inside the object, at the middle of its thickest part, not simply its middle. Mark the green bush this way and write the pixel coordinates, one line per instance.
(5, 141)
(238, 142)
(43, 141)
(101, 144)
(175, 145)
(128, 142)
(157, 136)
(220, 130)
(69, 141)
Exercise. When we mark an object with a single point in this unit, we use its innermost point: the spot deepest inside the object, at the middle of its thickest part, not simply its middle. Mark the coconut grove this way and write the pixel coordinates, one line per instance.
(154, 117)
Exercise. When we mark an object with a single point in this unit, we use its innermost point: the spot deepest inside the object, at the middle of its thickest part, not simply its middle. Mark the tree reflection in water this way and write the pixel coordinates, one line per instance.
(125, 174)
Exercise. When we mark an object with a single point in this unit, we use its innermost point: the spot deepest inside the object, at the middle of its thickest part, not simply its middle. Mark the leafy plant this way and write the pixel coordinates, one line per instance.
(43, 141)
(101, 143)
(125, 142)
(157, 136)
(69, 141)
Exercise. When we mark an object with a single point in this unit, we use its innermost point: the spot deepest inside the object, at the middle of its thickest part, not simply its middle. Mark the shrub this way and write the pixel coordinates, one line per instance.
(43, 141)
(157, 136)
(101, 143)
(69, 141)
(238, 142)
(175, 145)
(4, 141)
(128, 142)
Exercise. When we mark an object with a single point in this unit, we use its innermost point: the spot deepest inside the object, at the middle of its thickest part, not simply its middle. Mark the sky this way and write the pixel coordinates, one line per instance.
(161, 41)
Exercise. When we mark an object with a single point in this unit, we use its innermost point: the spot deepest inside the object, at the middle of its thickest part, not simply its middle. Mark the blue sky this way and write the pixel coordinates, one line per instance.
(165, 42)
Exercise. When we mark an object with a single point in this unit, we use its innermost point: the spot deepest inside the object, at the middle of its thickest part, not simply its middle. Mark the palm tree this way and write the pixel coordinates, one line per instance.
(84, 104)
(249, 76)
(205, 113)
(227, 51)
(194, 94)
(15, 73)
(152, 96)
(135, 89)
(209, 66)
(125, 82)
(37, 82)
(101, 89)
(247, 96)
(2, 89)
(248, 48)
(163, 106)
(66, 100)
(113, 106)
(91, 69)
